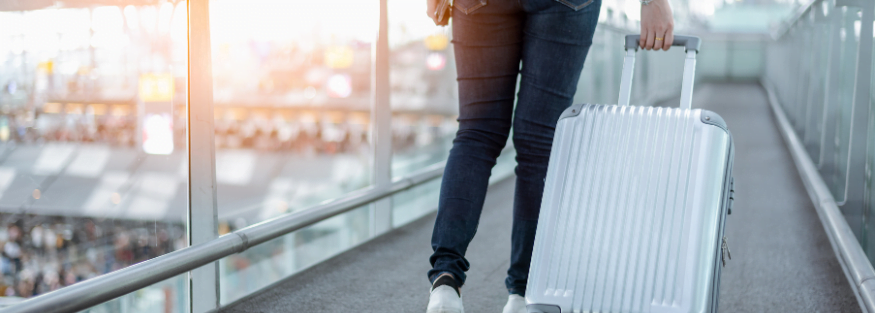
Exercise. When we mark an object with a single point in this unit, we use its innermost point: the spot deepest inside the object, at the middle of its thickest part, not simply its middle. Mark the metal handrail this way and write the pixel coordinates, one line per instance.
(109, 286)
(851, 257)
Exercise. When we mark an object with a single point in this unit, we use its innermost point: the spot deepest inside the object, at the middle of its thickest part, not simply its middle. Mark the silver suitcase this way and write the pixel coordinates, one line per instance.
(634, 206)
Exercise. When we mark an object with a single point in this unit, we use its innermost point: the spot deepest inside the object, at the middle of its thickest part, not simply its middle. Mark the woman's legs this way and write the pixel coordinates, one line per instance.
(556, 41)
(487, 45)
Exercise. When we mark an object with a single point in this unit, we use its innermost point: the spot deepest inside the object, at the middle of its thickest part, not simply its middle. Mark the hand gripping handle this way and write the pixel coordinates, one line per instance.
(688, 42)
(691, 45)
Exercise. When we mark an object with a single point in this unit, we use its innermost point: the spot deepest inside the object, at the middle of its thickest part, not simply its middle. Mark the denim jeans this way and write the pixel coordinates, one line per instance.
(551, 38)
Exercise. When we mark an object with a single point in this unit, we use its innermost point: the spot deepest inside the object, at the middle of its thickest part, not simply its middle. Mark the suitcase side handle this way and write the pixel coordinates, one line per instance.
(691, 45)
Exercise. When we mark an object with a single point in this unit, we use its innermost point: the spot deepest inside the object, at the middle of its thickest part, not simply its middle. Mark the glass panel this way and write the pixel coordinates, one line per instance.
(814, 109)
(262, 265)
(411, 204)
(417, 202)
(169, 296)
(423, 96)
(791, 68)
(805, 65)
(869, 240)
(292, 93)
(781, 63)
(850, 42)
(92, 144)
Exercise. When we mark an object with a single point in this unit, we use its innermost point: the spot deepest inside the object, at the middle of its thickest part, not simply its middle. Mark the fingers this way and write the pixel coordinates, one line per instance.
(659, 42)
(656, 38)
(642, 40)
(669, 39)
(651, 38)
(429, 10)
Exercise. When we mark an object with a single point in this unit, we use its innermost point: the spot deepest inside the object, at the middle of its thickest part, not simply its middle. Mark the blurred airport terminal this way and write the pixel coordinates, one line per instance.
(94, 166)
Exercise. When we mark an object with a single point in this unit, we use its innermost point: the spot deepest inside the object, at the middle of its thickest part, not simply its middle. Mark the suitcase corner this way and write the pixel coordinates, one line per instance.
(711, 118)
(572, 111)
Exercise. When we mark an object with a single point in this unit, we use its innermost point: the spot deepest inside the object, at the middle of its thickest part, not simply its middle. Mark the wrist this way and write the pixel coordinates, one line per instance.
(650, 2)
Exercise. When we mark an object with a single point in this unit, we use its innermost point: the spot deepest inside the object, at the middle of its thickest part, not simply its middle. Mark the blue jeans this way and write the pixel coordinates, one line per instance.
(551, 38)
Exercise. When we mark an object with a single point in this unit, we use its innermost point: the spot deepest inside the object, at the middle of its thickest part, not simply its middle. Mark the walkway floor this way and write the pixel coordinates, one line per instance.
(782, 260)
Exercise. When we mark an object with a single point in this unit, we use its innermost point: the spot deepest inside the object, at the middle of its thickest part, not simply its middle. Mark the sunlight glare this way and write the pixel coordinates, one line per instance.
(164, 16)
(132, 18)
(277, 20)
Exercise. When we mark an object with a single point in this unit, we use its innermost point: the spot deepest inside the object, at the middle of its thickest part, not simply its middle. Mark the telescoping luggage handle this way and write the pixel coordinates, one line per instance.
(691, 46)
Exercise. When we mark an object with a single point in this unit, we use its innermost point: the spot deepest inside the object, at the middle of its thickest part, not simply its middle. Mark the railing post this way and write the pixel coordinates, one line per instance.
(203, 207)
(381, 123)
(854, 207)
(831, 169)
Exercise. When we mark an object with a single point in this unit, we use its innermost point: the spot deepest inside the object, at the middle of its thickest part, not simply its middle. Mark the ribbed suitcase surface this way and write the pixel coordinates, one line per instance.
(633, 211)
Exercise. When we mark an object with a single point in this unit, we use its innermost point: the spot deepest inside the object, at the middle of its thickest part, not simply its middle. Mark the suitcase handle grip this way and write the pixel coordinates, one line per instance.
(691, 45)
(688, 42)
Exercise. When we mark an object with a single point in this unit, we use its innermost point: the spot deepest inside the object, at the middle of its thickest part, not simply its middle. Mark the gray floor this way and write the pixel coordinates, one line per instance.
(782, 261)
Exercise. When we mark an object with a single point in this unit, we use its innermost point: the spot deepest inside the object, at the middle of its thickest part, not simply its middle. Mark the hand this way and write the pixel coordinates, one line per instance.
(656, 22)
(430, 8)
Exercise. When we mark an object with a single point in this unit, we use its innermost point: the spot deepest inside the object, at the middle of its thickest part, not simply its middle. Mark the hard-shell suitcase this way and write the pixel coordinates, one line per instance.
(634, 206)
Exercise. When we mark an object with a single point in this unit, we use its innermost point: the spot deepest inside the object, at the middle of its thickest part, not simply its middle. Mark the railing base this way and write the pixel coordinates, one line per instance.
(848, 251)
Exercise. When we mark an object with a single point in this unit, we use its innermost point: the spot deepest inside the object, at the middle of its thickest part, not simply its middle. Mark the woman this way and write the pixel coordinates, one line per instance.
(491, 39)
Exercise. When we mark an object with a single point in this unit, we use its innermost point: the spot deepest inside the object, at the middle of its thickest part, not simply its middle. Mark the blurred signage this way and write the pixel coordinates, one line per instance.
(156, 87)
(338, 57)
(437, 42)
(158, 132)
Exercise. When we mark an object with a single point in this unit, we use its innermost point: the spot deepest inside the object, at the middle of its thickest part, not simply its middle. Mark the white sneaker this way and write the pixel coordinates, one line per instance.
(444, 299)
(515, 304)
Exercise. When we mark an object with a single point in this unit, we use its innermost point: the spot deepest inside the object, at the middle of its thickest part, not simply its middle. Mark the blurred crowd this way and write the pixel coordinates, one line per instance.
(260, 134)
(41, 254)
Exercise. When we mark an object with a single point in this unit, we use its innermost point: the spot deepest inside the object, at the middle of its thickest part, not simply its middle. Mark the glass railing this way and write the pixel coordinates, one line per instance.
(815, 69)
(92, 134)
(94, 170)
